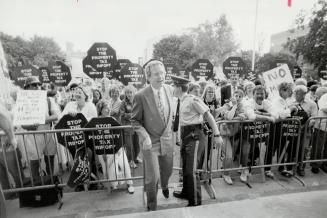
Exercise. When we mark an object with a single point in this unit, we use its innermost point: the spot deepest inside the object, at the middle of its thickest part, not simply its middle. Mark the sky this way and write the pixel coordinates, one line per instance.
(130, 26)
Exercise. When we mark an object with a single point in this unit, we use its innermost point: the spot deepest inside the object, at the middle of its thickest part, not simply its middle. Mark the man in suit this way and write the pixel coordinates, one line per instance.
(227, 91)
(152, 117)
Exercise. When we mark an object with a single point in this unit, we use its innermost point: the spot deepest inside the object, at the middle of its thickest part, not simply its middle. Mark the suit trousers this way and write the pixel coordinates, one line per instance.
(157, 168)
(193, 147)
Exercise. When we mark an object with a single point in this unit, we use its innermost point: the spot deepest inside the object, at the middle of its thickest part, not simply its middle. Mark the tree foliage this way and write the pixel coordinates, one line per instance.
(313, 46)
(37, 51)
(213, 41)
(268, 61)
(175, 49)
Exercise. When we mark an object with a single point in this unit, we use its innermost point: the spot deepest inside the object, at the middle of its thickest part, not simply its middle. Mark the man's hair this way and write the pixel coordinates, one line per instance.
(183, 86)
(151, 64)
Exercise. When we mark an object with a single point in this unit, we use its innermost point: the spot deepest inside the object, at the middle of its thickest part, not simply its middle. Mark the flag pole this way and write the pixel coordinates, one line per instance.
(254, 34)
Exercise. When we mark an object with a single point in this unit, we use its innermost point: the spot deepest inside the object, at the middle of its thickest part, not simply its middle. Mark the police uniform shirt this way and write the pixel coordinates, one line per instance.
(192, 109)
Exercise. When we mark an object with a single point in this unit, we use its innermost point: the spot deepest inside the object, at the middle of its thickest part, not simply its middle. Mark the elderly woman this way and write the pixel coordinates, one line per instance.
(130, 137)
(115, 102)
(81, 104)
(304, 109)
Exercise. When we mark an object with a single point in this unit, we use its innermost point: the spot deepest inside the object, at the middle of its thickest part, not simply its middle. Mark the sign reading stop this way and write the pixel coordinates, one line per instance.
(100, 60)
(202, 68)
(132, 74)
(234, 66)
(59, 73)
(19, 74)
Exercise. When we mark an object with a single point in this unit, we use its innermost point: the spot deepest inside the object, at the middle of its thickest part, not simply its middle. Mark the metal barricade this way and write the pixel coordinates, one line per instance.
(315, 132)
(14, 177)
(256, 145)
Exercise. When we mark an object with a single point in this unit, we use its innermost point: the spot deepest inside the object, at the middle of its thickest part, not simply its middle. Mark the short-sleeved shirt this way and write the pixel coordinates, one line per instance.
(192, 110)
(322, 104)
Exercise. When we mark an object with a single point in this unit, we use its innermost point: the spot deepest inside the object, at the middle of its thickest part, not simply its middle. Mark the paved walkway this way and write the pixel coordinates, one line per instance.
(102, 204)
(297, 205)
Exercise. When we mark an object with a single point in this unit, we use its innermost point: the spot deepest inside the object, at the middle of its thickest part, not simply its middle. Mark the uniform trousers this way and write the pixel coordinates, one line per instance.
(194, 142)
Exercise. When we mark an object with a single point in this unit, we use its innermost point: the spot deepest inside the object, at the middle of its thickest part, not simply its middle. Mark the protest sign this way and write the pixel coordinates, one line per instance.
(30, 108)
(202, 68)
(171, 69)
(251, 76)
(132, 74)
(234, 66)
(297, 72)
(104, 141)
(73, 140)
(81, 168)
(59, 73)
(276, 76)
(102, 57)
(322, 72)
(19, 74)
(89, 70)
(121, 63)
(44, 75)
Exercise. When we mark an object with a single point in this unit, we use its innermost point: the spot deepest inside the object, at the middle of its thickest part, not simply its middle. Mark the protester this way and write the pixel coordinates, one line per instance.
(305, 108)
(96, 96)
(37, 145)
(152, 119)
(130, 137)
(114, 165)
(115, 102)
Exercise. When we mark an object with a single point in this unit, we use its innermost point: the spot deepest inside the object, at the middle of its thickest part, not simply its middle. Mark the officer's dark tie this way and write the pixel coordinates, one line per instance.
(176, 122)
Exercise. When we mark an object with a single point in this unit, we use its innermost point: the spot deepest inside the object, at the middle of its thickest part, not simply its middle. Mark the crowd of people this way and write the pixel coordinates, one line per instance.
(197, 106)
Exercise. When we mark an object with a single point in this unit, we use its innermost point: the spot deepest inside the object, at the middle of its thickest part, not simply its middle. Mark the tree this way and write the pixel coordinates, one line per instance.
(38, 50)
(175, 49)
(214, 41)
(268, 61)
(313, 46)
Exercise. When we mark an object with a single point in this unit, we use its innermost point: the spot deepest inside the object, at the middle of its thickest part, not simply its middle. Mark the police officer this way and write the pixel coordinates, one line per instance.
(191, 117)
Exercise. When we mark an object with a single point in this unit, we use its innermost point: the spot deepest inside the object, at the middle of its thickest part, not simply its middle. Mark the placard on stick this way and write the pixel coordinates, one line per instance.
(19, 74)
(234, 66)
(59, 73)
(121, 63)
(202, 68)
(30, 108)
(132, 74)
(171, 69)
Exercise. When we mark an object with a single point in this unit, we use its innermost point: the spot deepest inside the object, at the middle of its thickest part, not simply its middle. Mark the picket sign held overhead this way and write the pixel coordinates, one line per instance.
(30, 108)
(202, 68)
(171, 69)
(275, 77)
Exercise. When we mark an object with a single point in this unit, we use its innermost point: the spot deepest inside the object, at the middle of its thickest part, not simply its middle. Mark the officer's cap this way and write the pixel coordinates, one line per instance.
(177, 80)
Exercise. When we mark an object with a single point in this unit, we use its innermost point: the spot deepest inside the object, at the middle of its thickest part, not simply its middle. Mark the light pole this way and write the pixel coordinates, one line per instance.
(254, 34)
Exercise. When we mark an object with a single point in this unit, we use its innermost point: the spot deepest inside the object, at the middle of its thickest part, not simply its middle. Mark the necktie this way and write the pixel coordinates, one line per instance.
(176, 122)
(160, 107)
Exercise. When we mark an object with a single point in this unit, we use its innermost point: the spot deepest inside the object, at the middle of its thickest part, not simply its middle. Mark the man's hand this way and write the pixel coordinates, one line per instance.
(72, 113)
(31, 127)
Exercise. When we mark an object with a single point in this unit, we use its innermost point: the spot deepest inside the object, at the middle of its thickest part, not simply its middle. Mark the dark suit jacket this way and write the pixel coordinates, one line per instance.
(225, 93)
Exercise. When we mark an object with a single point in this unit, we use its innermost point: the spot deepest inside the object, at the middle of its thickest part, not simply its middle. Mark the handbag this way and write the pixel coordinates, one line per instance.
(41, 197)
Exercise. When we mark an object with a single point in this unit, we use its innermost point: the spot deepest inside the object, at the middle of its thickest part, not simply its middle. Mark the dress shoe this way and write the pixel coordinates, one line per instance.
(315, 170)
(179, 194)
(165, 192)
(193, 205)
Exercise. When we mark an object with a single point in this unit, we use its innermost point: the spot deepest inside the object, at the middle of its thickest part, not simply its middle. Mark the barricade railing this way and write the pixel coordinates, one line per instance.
(32, 144)
(315, 152)
(256, 145)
